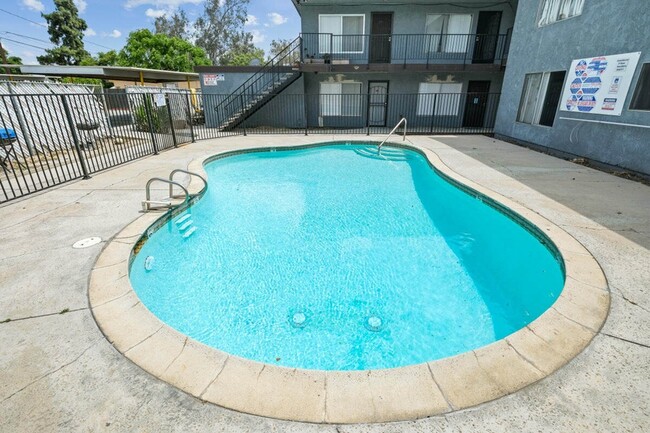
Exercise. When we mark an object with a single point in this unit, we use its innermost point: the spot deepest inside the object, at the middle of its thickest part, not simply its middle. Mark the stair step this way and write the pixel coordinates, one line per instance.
(183, 218)
(186, 225)
(189, 233)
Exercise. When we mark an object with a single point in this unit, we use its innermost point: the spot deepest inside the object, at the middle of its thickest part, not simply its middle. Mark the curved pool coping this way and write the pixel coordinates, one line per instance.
(397, 394)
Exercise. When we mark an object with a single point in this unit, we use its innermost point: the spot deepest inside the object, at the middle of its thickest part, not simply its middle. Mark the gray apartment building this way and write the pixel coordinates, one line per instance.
(567, 75)
(578, 80)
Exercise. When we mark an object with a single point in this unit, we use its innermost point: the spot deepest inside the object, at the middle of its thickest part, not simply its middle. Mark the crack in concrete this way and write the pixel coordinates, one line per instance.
(647, 346)
(53, 371)
(582, 325)
(223, 367)
(632, 302)
(145, 339)
(176, 357)
(494, 382)
(529, 361)
(38, 316)
(444, 395)
(95, 306)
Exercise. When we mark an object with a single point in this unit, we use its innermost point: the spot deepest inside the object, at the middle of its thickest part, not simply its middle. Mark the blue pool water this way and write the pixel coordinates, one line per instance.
(334, 258)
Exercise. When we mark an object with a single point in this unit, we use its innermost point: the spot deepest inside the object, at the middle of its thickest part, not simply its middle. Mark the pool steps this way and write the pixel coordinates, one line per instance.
(185, 225)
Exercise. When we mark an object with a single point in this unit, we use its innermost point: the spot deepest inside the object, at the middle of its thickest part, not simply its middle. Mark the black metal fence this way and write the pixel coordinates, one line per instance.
(287, 113)
(405, 48)
(46, 140)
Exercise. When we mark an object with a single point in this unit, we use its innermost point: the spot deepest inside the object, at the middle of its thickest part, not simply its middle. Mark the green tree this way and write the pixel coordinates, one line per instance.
(144, 49)
(278, 45)
(109, 58)
(219, 31)
(244, 58)
(12, 60)
(66, 31)
(174, 26)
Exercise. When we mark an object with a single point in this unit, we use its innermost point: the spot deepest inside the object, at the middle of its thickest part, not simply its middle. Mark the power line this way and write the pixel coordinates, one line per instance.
(23, 18)
(43, 25)
(26, 37)
(23, 43)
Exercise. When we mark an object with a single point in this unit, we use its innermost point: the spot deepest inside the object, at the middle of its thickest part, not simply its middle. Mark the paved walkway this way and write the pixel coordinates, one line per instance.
(58, 372)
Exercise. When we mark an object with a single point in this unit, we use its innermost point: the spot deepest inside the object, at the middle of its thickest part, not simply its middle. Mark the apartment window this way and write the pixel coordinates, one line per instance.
(346, 33)
(340, 99)
(540, 98)
(449, 32)
(557, 10)
(641, 98)
(439, 99)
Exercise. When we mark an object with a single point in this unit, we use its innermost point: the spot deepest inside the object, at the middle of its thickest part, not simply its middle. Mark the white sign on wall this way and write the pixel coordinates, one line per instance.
(599, 85)
(213, 79)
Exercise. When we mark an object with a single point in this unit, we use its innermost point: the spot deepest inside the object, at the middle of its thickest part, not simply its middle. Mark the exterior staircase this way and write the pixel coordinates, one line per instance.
(271, 79)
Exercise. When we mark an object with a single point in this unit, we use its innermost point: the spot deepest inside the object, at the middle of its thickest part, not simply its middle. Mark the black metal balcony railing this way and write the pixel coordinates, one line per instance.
(405, 48)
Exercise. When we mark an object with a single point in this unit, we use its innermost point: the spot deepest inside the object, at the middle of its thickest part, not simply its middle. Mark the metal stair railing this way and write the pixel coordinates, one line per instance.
(403, 120)
(271, 75)
(179, 170)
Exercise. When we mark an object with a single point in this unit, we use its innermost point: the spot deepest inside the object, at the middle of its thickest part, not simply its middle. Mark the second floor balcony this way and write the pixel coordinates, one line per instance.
(413, 51)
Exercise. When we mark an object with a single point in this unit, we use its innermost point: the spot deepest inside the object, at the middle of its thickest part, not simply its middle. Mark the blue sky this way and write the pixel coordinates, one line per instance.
(110, 21)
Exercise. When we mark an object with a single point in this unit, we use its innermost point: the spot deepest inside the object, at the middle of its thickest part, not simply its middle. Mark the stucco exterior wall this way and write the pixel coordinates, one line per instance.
(604, 28)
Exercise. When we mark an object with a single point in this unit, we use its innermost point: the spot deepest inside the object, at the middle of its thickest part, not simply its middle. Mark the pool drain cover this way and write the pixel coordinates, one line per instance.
(298, 320)
(88, 242)
(374, 324)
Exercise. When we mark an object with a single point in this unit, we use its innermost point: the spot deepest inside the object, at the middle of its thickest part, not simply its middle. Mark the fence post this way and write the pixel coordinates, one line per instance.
(75, 138)
(241, 104)
(433, 113)
(147, 109)
(171, 119)
(189, 114)
(304, 110)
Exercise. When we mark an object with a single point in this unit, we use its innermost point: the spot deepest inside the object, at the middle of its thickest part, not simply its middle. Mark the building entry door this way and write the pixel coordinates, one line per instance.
(381, 30)
(476, 103)
(377, 102)
(487, 36)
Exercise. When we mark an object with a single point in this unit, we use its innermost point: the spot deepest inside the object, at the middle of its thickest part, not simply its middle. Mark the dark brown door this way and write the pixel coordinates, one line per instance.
(477, 100)
(487, 36)
(381, 31)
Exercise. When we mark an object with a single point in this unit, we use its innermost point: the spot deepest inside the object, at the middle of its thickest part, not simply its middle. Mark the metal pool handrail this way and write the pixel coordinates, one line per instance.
(146, 205)
(403, 120)
(179, 170)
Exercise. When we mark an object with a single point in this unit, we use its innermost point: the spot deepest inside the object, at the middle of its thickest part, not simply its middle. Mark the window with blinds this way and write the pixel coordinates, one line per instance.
(340, 99)
(552, 11)
(449, 32)
(341, 33)
(439, 99)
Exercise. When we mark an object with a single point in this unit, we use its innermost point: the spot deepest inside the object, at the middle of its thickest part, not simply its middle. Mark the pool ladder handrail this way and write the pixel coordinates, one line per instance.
(402, 120)
(190, 173)
(146, 204)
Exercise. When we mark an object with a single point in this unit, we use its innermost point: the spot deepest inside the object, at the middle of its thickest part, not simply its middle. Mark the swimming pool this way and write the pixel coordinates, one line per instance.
(335, 258)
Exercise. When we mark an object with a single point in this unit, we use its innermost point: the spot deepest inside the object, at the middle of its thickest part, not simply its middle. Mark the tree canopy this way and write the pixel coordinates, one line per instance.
(220, 31)
(145, 49)
(175, 25)
(66, 31)
(12, 60)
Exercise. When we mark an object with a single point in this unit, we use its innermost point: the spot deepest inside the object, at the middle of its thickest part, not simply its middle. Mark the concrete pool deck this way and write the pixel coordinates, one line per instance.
(60, 373)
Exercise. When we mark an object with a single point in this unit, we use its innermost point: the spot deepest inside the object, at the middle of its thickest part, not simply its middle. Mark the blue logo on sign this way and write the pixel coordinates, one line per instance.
(576, 85)
(598, 65)
(591, 85)
(572, 102)
(581, 67)
(586, 103)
